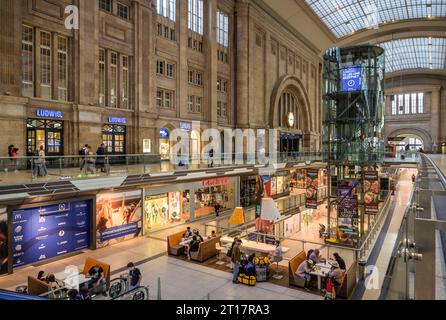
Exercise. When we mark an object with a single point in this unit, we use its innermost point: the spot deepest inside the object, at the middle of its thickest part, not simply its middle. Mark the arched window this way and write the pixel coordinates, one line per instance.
(289, 112)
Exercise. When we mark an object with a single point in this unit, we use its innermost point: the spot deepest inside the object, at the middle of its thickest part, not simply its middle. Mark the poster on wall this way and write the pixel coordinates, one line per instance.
(273, 186)
(280, 185)
(3, 241)
(118, 217)
(371, 192)
(266, 186)
(46, 232)
(312, 188)
(156, 211)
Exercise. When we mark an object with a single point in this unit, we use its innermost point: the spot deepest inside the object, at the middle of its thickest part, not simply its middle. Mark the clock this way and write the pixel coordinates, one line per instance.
(290, 119)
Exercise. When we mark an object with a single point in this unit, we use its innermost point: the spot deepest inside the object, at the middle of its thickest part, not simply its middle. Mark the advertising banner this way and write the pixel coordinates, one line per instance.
(46, 232)
(118, 217)
(312, 188)
(3, 241)
(347, 199)
(371, 192)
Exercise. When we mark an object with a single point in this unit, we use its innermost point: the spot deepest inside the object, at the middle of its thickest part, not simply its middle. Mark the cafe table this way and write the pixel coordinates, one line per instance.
(320, 270)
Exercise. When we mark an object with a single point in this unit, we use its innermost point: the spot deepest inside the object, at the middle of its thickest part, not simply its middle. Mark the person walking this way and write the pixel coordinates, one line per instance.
(211, 158)
(83, 153)
(235, 259)
(42, 170)
(217, 208)
(413, 178)
(100, 161)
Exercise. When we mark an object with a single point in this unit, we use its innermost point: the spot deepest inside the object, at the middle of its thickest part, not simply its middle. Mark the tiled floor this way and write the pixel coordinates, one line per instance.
(189, 281)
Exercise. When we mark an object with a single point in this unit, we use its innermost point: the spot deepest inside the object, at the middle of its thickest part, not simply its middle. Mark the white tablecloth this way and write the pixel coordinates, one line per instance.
(254, 246)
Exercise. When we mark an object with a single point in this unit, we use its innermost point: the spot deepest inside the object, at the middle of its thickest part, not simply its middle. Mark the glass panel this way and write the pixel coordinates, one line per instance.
(346, 16)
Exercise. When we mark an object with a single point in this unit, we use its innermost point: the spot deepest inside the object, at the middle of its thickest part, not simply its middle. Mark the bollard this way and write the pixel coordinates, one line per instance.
(362, 263)
(159, 289)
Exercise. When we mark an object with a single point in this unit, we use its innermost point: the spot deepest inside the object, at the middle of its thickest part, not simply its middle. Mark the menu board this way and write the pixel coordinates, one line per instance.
(43, 233)
(312, 188)
(118, 217)
(371, 192)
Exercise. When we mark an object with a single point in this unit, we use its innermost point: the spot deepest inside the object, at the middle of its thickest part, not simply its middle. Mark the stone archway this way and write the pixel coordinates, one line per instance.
(294, 85)
(424, 135)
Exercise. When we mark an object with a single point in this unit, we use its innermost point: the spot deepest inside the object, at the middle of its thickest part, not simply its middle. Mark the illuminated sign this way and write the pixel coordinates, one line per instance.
(117, 120)
(44, 113)
(164, 133)
(186, 126)
(351, 78)
(216, 182)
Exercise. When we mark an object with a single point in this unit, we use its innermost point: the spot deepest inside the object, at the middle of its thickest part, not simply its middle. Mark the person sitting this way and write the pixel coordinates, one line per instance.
(335, 274)
(84, 292)
(97, 279)
(194, 246)
(213, 235)
(54, 285)
(340, 261)
(303, 271)
(187, 234)
(198, 235)
(309, 253)
(41, 276)
(316, 257)
(250, 269)
(74, 295)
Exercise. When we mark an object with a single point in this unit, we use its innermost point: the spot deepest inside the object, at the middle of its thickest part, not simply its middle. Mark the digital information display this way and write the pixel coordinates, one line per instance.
(43, 233)
(351, 78)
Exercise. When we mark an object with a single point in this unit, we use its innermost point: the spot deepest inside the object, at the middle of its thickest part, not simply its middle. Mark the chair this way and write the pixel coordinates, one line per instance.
(222, 253)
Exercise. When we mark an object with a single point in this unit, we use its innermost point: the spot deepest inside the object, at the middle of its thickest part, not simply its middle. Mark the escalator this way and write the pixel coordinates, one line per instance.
(10, 295)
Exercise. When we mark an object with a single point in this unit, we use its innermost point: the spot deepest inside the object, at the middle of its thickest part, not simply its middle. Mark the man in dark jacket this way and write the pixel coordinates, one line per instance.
(100, 161)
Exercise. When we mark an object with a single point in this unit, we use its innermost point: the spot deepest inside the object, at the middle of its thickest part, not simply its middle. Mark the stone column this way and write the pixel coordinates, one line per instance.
(183, 36)
(242, 63)
(10, 43)
(212, 63)
(435, 120)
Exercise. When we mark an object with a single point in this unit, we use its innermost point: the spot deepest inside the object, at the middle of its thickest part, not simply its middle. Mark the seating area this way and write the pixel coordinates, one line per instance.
(344, 291)
(206, 250)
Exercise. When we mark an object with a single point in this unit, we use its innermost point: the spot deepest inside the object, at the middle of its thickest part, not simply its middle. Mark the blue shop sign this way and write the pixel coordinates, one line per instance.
(351, 78)
(117, 120)
(186, 126)
(164, 133)
(44, 113)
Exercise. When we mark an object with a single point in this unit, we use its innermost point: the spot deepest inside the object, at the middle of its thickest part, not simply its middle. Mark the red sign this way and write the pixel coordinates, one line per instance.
(216, 182)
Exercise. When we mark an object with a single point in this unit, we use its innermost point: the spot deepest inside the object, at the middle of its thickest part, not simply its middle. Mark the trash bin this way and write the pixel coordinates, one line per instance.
(361, 267)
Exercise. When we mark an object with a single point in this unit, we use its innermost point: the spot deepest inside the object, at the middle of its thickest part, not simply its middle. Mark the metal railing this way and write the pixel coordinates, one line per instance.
(31, 169)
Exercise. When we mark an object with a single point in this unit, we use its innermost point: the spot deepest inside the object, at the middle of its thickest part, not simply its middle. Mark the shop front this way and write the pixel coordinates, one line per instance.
(275, 186)
(45, 129)
(114, 136)
(290, 143)
(164, 144)
(171, 205)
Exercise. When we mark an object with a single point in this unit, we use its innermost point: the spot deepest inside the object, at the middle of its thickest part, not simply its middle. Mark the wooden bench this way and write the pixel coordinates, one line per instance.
(90, 263)
(37, 287)
(295, 280)
(173, 244)
(348, 283)
(207, 250)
